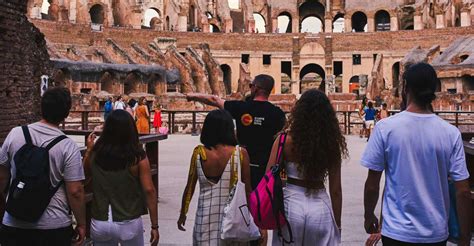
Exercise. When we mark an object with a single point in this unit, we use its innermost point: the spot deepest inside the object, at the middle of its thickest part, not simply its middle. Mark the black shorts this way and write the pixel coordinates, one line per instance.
(11, 236)
(392, 242)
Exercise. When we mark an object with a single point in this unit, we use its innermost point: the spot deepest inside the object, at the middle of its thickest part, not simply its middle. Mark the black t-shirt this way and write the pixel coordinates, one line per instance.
(257, 124)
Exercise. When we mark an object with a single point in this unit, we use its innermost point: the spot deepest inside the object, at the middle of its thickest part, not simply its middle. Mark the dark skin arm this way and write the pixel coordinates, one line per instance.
(4, 181)
(245, 173)
(371, 196)
(464, 209)
(211, 100)
(335, 190)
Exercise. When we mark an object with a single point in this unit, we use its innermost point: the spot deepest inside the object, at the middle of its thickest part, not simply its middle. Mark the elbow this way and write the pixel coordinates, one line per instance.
(76, 192)
(463, 195)
(150, 192)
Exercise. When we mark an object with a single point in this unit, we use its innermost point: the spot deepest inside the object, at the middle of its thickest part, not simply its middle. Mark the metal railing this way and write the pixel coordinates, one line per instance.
(347, 119)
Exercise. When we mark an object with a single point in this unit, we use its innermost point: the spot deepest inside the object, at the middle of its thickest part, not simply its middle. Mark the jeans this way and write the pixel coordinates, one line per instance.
(12, 236)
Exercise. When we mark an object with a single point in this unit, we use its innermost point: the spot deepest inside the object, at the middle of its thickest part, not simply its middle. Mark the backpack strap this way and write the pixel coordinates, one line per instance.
(55, 141)
(281, 144)
(26, 133)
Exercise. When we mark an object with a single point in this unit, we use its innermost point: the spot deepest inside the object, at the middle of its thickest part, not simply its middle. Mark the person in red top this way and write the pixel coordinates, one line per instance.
(157, 117)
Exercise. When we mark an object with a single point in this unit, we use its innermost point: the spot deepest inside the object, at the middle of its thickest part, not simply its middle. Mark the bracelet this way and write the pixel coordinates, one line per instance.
(155, 227)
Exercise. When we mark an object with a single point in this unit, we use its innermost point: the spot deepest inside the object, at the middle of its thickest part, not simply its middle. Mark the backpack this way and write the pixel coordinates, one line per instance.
(31, 190)
(266, 201)
(108, 106)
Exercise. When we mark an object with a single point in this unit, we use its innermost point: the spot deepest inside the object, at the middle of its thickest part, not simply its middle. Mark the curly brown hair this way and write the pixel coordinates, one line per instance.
(318, 144)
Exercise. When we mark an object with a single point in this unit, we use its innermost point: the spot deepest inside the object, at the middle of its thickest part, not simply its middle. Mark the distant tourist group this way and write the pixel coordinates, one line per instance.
(257, 171)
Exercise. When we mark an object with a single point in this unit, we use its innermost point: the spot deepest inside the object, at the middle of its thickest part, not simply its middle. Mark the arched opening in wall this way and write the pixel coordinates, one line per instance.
(156, 85)
(382, 21)
(97, 14)
(312, 76)
(107, 82)
(61, 78)
(45, 9)
(311, 8)
(132, 83)
(227, 71)
(191, 18)
(338, 23)
(407, 21)
(396, 75)
(468, 83)
(359, 22)
(311, 24)
(234, 4)
(214, 28)
(168, 23)
(284, 23)
(260, 24)
(151, 18)
(354, 84)
(286, 69)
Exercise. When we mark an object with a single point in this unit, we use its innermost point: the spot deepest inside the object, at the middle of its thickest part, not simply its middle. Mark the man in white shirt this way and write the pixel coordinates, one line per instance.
(119, 104)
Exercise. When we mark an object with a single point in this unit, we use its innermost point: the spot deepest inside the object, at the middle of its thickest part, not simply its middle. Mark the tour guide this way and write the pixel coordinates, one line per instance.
(257, 120)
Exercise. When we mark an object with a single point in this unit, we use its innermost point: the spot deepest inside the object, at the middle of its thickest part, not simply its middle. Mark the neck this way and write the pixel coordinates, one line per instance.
(414, 108)
(260, 98)
(49, 124)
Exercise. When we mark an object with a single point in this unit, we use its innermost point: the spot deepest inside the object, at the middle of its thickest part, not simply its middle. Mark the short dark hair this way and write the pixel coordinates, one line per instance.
(264, 82)
(55, 105)
(218, 128)
(422, 82)
(384, 104)
(370, 104)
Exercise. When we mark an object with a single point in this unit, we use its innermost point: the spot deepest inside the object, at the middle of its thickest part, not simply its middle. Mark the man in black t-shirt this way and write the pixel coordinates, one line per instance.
(257, 120)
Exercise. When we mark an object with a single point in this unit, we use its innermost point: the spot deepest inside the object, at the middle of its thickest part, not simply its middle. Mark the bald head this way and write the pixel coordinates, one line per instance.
(264, 82)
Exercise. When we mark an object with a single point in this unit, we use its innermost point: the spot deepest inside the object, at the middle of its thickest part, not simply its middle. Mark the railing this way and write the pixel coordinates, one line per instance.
(347, 119)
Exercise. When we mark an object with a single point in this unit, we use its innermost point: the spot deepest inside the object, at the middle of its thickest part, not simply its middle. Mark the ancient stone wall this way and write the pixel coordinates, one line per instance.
(24, 59)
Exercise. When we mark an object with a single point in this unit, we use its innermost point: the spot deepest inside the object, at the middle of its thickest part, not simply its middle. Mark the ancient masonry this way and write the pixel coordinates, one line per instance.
(23, 61)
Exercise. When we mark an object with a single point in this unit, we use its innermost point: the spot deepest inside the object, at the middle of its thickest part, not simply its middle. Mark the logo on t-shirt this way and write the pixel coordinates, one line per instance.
(246, 119)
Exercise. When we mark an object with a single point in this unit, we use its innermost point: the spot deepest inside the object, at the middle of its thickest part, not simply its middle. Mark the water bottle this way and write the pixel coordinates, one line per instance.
(18, 190)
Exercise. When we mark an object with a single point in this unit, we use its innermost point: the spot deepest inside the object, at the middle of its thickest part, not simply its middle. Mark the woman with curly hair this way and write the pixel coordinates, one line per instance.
(312, 152)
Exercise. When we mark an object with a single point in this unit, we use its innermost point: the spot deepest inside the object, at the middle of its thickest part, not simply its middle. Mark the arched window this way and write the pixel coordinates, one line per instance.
(312, 76)
(359, 22)
(260, 24)
(150, 14)
(234, 4)
(338, 23)
(284, 23)
(407, 18)
(45, 9)
(227, 71)
(214, 28)
(97, 14)
(311, 8)
(382, 21)
(311, 24)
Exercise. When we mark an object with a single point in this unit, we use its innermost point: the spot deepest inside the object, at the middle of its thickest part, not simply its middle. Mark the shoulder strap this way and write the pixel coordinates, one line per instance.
(55, 141)
(26, 133)
(281, 144)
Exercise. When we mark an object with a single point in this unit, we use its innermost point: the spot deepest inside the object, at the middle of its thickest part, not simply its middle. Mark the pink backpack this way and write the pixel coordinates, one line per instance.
(266, 201)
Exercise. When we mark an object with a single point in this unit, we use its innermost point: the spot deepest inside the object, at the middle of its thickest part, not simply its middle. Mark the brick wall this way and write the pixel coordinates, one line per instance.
(23, 60)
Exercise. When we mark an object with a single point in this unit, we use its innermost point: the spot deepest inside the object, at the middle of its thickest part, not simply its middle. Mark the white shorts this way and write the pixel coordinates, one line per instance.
(369, 124)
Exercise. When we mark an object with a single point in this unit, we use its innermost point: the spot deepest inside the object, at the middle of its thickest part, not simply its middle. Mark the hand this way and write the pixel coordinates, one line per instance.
(181, 222)
(154, 237)
(81, 235)
(373, 239)
(263, 237)
(464, 241)
(90, 140)
(371, 224)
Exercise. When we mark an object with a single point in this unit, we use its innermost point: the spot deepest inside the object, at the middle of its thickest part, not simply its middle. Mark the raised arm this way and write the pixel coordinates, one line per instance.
(211, 100)
(335, 190)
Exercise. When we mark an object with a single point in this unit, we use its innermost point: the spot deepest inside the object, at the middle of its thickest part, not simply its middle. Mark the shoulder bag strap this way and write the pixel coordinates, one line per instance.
(26, 133)
(55, 141)
(281, 144)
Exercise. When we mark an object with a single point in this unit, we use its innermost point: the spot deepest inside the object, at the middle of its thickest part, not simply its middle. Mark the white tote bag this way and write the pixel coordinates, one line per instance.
(237, 223)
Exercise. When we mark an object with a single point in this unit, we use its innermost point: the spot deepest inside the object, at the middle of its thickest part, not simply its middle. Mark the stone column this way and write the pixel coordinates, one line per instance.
(440, 21)
(347, 24)
(328, 25)
(72, 11)
(394, 23)
(228, 25)
(295, 85)
(465, 17)
(274, 25)
(182, 23)
(295, 24)
(370, 24)
(417, 22)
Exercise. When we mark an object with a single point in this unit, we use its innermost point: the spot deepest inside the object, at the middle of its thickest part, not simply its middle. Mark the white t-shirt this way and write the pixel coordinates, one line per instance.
(119, 105)
(65, 164)
(417, 152)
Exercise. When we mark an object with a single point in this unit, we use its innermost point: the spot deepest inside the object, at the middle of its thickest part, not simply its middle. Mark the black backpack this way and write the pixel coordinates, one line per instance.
(31, 191)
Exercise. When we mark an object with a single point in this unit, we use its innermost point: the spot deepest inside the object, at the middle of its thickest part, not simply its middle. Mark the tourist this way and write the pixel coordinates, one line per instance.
(118, 168)
(214, 164)
(369, 118)
(418, 151)
(66, 176)
(384, 111)
(157, 118)
(362, 108)
(143, 117)
(312, 152)
(129, 107)
(119, 104)
(108, 107)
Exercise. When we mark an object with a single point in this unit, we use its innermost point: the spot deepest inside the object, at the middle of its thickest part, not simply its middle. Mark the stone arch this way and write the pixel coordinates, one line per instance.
(107, 82)
(312, 76)
(214, 28)
(132, 83)
(151, 18)
(382, 21)
(396, 75)
(467, 83)
(61, 77)
(312, 24)
(45, 8)
(97, 14)
(156, 84)
(359, 22)
(338, 23)
(407, 20)
(260, 23)
(354, 84)
(285, 22)
(227, 72)
(311, 8)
